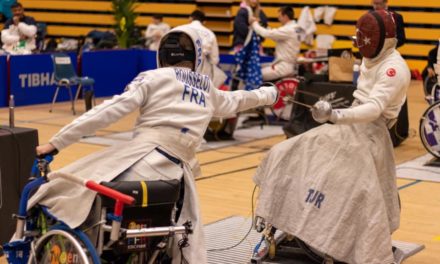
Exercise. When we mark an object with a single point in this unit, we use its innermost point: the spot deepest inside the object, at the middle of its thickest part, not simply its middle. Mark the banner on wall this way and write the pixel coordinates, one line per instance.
(32, 79)
(114, 69)
(3, 81)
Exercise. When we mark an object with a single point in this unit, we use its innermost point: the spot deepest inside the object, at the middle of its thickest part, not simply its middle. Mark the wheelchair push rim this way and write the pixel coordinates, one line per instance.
(429, 129)
(435, 93)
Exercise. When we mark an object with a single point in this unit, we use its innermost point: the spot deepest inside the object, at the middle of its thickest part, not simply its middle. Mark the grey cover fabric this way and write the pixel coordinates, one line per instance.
(334, 187)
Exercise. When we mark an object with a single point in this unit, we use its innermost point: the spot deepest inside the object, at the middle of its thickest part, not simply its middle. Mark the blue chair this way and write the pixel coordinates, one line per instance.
(65, 76)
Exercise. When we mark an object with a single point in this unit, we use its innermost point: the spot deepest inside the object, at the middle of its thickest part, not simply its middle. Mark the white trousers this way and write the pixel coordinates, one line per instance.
(278, 70)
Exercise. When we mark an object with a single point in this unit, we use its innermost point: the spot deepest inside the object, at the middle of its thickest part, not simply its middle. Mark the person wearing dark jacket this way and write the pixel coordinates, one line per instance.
(19, 33)
(429, 73)
(432, 59)
(398, 20)
(241, 21)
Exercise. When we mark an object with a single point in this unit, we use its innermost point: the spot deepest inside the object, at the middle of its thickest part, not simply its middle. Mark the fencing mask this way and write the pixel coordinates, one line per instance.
(371, 31)
(181, 44)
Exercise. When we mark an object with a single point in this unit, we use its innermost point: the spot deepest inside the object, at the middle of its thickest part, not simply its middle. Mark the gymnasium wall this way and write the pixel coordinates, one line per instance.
(70, 18)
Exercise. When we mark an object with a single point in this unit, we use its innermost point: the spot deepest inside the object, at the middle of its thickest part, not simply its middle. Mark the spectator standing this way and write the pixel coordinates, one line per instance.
(398, 19)
(155, 31)
(248, 8)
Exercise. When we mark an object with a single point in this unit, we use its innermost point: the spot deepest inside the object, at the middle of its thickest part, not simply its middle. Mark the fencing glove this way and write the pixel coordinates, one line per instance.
(267, 94)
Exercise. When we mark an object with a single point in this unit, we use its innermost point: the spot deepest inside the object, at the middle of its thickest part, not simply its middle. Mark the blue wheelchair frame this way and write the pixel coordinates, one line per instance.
(18, 250)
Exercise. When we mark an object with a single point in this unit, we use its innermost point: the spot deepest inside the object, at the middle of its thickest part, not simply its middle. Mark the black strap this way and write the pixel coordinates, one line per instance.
(381, 31)
(168, 156)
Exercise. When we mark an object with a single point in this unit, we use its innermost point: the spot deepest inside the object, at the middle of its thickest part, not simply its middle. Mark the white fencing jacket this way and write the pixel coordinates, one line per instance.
(11, 38)
(287, 40)
(379, 90)
(210, 53)
(175, 107)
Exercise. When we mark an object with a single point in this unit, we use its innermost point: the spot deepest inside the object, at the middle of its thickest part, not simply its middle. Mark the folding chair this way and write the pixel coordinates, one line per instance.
(65, 76)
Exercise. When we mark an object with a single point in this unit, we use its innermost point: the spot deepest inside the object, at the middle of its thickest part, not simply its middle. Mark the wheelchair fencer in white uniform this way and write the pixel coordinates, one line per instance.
(334, 187)
(175, 105)
(284, 69)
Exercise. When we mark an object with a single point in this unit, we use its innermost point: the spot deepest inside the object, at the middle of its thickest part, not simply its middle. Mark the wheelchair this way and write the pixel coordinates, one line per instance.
(130, 222)
(429, 130)
(431, 89)
(277, 246)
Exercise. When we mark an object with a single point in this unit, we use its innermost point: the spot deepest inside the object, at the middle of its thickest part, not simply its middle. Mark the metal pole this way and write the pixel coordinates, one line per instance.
(11, 112)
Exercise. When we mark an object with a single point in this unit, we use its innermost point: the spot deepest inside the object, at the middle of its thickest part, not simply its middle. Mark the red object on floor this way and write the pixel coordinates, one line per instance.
(415, 75)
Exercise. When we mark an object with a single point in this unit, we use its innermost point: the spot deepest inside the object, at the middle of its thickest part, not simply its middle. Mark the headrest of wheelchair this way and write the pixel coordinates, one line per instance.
(146, 193)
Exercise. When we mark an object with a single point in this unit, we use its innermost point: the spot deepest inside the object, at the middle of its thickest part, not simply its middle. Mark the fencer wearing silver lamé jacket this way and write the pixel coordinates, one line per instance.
(175, 106)
(334, 187)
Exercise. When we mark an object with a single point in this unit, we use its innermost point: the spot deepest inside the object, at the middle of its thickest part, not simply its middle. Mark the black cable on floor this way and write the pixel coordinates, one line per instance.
(248, 232)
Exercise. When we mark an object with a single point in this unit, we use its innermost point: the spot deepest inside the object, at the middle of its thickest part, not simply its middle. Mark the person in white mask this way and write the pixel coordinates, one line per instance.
(210, 49)
(175, 104)
(334, 187)
(287, 44)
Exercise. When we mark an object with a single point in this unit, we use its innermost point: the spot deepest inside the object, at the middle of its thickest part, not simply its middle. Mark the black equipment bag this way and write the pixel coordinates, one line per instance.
(301, 118)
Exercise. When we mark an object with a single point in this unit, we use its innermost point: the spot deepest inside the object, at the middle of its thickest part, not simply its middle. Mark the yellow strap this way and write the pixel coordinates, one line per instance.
(144, 194)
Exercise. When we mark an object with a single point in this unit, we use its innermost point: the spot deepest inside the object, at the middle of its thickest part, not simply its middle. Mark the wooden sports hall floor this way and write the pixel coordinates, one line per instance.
(225, 187)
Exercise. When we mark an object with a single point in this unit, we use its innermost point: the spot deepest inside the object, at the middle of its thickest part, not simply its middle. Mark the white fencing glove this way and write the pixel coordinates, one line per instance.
(267, 94)
(321, 111)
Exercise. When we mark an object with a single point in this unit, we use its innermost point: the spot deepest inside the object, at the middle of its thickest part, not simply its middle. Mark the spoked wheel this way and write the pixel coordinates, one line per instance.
(429, 129)
(59, 246)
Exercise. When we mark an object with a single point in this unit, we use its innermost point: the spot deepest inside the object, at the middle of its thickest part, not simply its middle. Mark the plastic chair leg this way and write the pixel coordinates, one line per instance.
(72, 100)
(78, 91)
(94, 97)
(54, 98)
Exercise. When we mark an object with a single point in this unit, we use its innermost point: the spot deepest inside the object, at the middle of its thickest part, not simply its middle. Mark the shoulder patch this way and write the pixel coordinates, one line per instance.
(391, 72)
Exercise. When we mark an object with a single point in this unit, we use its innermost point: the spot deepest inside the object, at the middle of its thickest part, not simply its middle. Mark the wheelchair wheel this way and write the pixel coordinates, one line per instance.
(429, 129)
(286, 88)
(428, 85)
(435, 93)
(59, 246)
